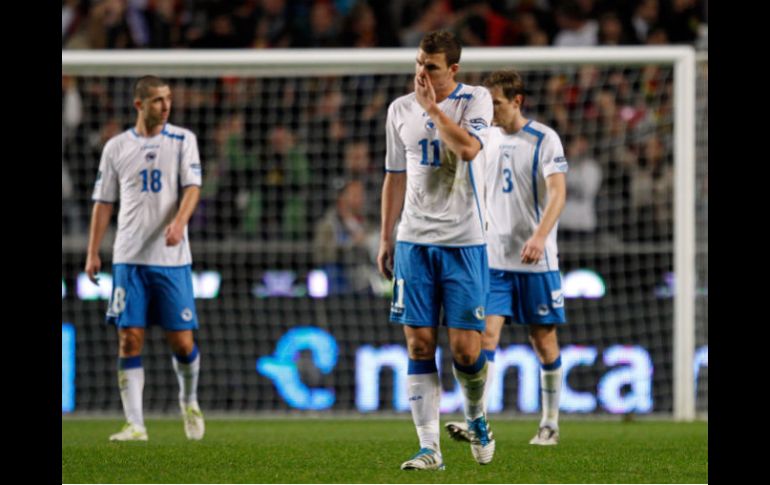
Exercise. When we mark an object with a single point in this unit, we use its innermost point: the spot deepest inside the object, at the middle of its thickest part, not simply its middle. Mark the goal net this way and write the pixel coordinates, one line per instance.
(293, 315)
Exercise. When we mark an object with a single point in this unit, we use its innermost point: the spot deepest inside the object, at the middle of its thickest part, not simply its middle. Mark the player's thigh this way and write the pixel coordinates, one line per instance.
(129, 301)
(500, 298)
(542, 298)
(464, 285)
(491, 336)
(173, 299)
(415, 299)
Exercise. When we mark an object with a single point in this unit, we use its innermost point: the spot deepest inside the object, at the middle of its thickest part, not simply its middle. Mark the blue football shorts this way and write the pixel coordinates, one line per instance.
(526, 298)
(428, 278)
(145, 295)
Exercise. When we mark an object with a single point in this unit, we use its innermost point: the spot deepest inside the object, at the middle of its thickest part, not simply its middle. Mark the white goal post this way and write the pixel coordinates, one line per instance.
(306, 62)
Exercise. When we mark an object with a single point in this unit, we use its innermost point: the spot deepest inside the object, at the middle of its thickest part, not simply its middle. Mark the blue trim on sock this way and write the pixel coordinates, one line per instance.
(473, 368)
(553, 365)
(125, 363)
(422, 366)
(490, 354)
(186, 359)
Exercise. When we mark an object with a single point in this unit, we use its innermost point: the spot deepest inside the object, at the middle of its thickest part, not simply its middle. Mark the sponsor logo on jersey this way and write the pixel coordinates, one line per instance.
(187, 314)
(150, 147)
(478, 123)
(557, 298)
(479, 312)
(150, 156)
(543, 309)
(196, 168)
(415, 398)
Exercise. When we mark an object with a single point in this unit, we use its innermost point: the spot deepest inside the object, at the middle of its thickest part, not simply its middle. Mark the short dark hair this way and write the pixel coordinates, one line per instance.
(509, 81)
(442, 41)
(143, 85)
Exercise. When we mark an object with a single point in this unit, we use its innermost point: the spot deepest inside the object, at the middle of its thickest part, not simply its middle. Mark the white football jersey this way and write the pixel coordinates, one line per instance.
(148, 174)
(517, 166)
(444, 198)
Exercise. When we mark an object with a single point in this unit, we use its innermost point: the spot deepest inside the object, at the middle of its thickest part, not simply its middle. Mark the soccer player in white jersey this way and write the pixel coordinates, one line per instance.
(438, 257)
(526, 191)
(154, 169)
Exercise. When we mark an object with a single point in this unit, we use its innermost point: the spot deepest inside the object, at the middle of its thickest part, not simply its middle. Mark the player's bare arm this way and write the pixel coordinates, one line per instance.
(556, 186)
(175, 231)
(393, 192)
(100, 219)
(455, 137)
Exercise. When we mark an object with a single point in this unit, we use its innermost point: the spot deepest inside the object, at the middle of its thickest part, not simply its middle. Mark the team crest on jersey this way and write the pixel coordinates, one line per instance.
(543, 310)
(557, 298)
(478, 123)
(430, 125)
(187, 314)
(150, 156)
(479, 313)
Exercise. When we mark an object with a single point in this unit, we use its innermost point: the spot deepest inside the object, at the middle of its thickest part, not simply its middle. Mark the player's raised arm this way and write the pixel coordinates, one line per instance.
(453, 135)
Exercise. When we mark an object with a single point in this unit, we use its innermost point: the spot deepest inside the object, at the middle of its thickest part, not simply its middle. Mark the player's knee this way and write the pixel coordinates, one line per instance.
(489, 342)
(422, 352)
(544, 342)
(130, 344)
(466, 356)
(182, 348)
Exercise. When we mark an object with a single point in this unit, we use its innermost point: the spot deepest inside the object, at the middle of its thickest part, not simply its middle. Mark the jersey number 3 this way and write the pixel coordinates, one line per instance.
(152, 180)
(508, 187)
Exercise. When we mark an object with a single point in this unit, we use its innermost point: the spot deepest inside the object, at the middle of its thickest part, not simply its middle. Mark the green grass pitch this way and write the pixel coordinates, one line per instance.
(371, 451)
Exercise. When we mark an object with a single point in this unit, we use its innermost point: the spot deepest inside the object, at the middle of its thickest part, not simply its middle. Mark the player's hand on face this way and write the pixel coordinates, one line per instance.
(533, 250)
(93, 265)
(423, 89)
(174, 234)
(385, 260)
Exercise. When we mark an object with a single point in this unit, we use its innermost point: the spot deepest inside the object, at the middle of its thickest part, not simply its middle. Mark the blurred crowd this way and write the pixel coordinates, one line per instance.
(278, 153)
(301, 159)
(213, 24)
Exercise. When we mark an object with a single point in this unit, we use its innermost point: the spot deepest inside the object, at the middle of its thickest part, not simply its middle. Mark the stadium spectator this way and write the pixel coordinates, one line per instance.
(284, 177)
(612, 31)
(575, 28)
(644, 18)
(323, 29)
(360, 27)
(651, 191)
(579, 218)
(273, 25)
(342, 241)
(108, 26)
(437, 15)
